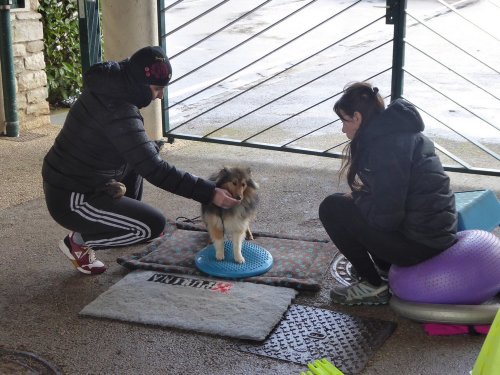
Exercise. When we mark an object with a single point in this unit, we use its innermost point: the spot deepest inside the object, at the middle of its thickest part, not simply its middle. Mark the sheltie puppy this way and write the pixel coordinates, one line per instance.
(235, 221)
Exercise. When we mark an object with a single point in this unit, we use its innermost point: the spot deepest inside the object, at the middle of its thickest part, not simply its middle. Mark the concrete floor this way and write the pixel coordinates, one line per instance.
(41, 294)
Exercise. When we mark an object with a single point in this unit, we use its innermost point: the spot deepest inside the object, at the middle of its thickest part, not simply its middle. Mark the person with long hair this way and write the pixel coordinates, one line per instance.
(401, 209)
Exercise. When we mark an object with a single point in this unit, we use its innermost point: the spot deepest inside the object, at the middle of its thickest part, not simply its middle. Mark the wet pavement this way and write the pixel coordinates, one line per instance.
(41, 294)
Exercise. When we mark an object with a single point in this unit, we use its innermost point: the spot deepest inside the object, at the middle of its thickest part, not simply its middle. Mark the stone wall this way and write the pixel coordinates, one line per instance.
(29, 66)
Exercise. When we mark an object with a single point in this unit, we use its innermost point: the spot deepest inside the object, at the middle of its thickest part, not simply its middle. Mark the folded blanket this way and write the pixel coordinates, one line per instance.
(299, 263)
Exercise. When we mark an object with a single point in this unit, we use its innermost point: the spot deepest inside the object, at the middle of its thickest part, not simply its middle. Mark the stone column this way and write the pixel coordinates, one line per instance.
(29, 66)
(128, 25)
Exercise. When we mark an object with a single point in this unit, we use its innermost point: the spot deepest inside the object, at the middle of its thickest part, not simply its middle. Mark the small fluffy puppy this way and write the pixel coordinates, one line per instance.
(234, 221)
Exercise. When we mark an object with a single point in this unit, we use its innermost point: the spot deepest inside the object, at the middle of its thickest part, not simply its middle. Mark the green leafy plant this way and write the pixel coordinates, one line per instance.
(61, 50)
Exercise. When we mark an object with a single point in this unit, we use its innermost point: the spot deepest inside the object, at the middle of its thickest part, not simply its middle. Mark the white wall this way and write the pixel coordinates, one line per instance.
(127, 26)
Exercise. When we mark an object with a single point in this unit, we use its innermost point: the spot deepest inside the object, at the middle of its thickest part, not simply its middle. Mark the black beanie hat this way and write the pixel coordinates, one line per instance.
(150, 66)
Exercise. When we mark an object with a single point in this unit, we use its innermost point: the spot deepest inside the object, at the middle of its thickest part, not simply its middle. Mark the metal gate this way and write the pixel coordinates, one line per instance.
(90, 32)
(265, 74)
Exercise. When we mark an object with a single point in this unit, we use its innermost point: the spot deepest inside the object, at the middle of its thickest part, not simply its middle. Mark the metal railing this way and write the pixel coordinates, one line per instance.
(90, 32)
(478, 120)
(266, 76)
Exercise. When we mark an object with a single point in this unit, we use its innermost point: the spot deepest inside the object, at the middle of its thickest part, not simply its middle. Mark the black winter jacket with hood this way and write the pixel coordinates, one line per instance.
(104, 133)
(404, 185)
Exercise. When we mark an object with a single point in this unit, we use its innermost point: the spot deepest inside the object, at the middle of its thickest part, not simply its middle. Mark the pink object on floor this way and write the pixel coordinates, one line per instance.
(483, 330)
(436, 329)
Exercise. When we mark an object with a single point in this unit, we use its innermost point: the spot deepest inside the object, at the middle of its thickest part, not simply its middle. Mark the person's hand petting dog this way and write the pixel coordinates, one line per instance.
(223, 199)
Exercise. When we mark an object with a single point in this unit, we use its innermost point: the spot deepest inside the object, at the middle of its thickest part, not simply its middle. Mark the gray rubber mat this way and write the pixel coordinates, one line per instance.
(307, 333)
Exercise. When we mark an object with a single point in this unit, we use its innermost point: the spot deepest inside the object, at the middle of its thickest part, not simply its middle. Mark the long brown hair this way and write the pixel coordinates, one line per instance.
(359, 97)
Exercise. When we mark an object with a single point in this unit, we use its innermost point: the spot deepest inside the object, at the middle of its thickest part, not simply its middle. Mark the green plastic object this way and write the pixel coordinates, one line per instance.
(488, 361)
(322, 367)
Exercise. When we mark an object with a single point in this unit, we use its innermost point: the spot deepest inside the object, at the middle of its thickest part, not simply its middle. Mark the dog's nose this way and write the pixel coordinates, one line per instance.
(238, 197)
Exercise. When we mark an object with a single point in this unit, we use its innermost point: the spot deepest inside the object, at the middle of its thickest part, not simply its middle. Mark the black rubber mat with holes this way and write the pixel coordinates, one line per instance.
(307, 333)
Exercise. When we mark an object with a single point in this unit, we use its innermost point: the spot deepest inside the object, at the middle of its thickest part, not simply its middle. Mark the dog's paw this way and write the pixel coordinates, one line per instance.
(249, 235)
(219, 256)
(239, 259)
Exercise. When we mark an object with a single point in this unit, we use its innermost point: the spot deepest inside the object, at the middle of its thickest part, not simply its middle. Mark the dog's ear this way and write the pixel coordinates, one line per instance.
(225, 171)
(222, 176)
(251, 183)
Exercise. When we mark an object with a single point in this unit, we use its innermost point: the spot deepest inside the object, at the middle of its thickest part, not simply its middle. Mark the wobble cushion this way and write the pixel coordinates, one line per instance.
(257, 261)
(466, 273)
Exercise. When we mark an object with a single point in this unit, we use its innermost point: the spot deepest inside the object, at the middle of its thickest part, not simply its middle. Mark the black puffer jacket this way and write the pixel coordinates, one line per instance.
(404, 185)
(104, 132)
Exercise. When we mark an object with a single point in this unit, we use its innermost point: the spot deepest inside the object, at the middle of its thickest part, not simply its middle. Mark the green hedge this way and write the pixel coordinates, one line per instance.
(61, 50)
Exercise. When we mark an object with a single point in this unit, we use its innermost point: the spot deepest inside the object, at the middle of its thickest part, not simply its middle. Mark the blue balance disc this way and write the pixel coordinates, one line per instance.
(257, 261)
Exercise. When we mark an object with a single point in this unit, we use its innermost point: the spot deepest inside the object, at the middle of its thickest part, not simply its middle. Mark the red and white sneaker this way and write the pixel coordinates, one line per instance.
(82, 257)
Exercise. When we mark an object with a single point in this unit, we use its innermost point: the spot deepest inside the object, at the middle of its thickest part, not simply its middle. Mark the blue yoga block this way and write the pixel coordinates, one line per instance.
(257, 261)
(478, 209)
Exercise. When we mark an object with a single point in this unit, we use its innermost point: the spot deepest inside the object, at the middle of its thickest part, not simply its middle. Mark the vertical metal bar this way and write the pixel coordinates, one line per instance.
(90, 37)
(163, 44)
(84, 39)
(94, 31)
(396, 15)
(8, 74)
